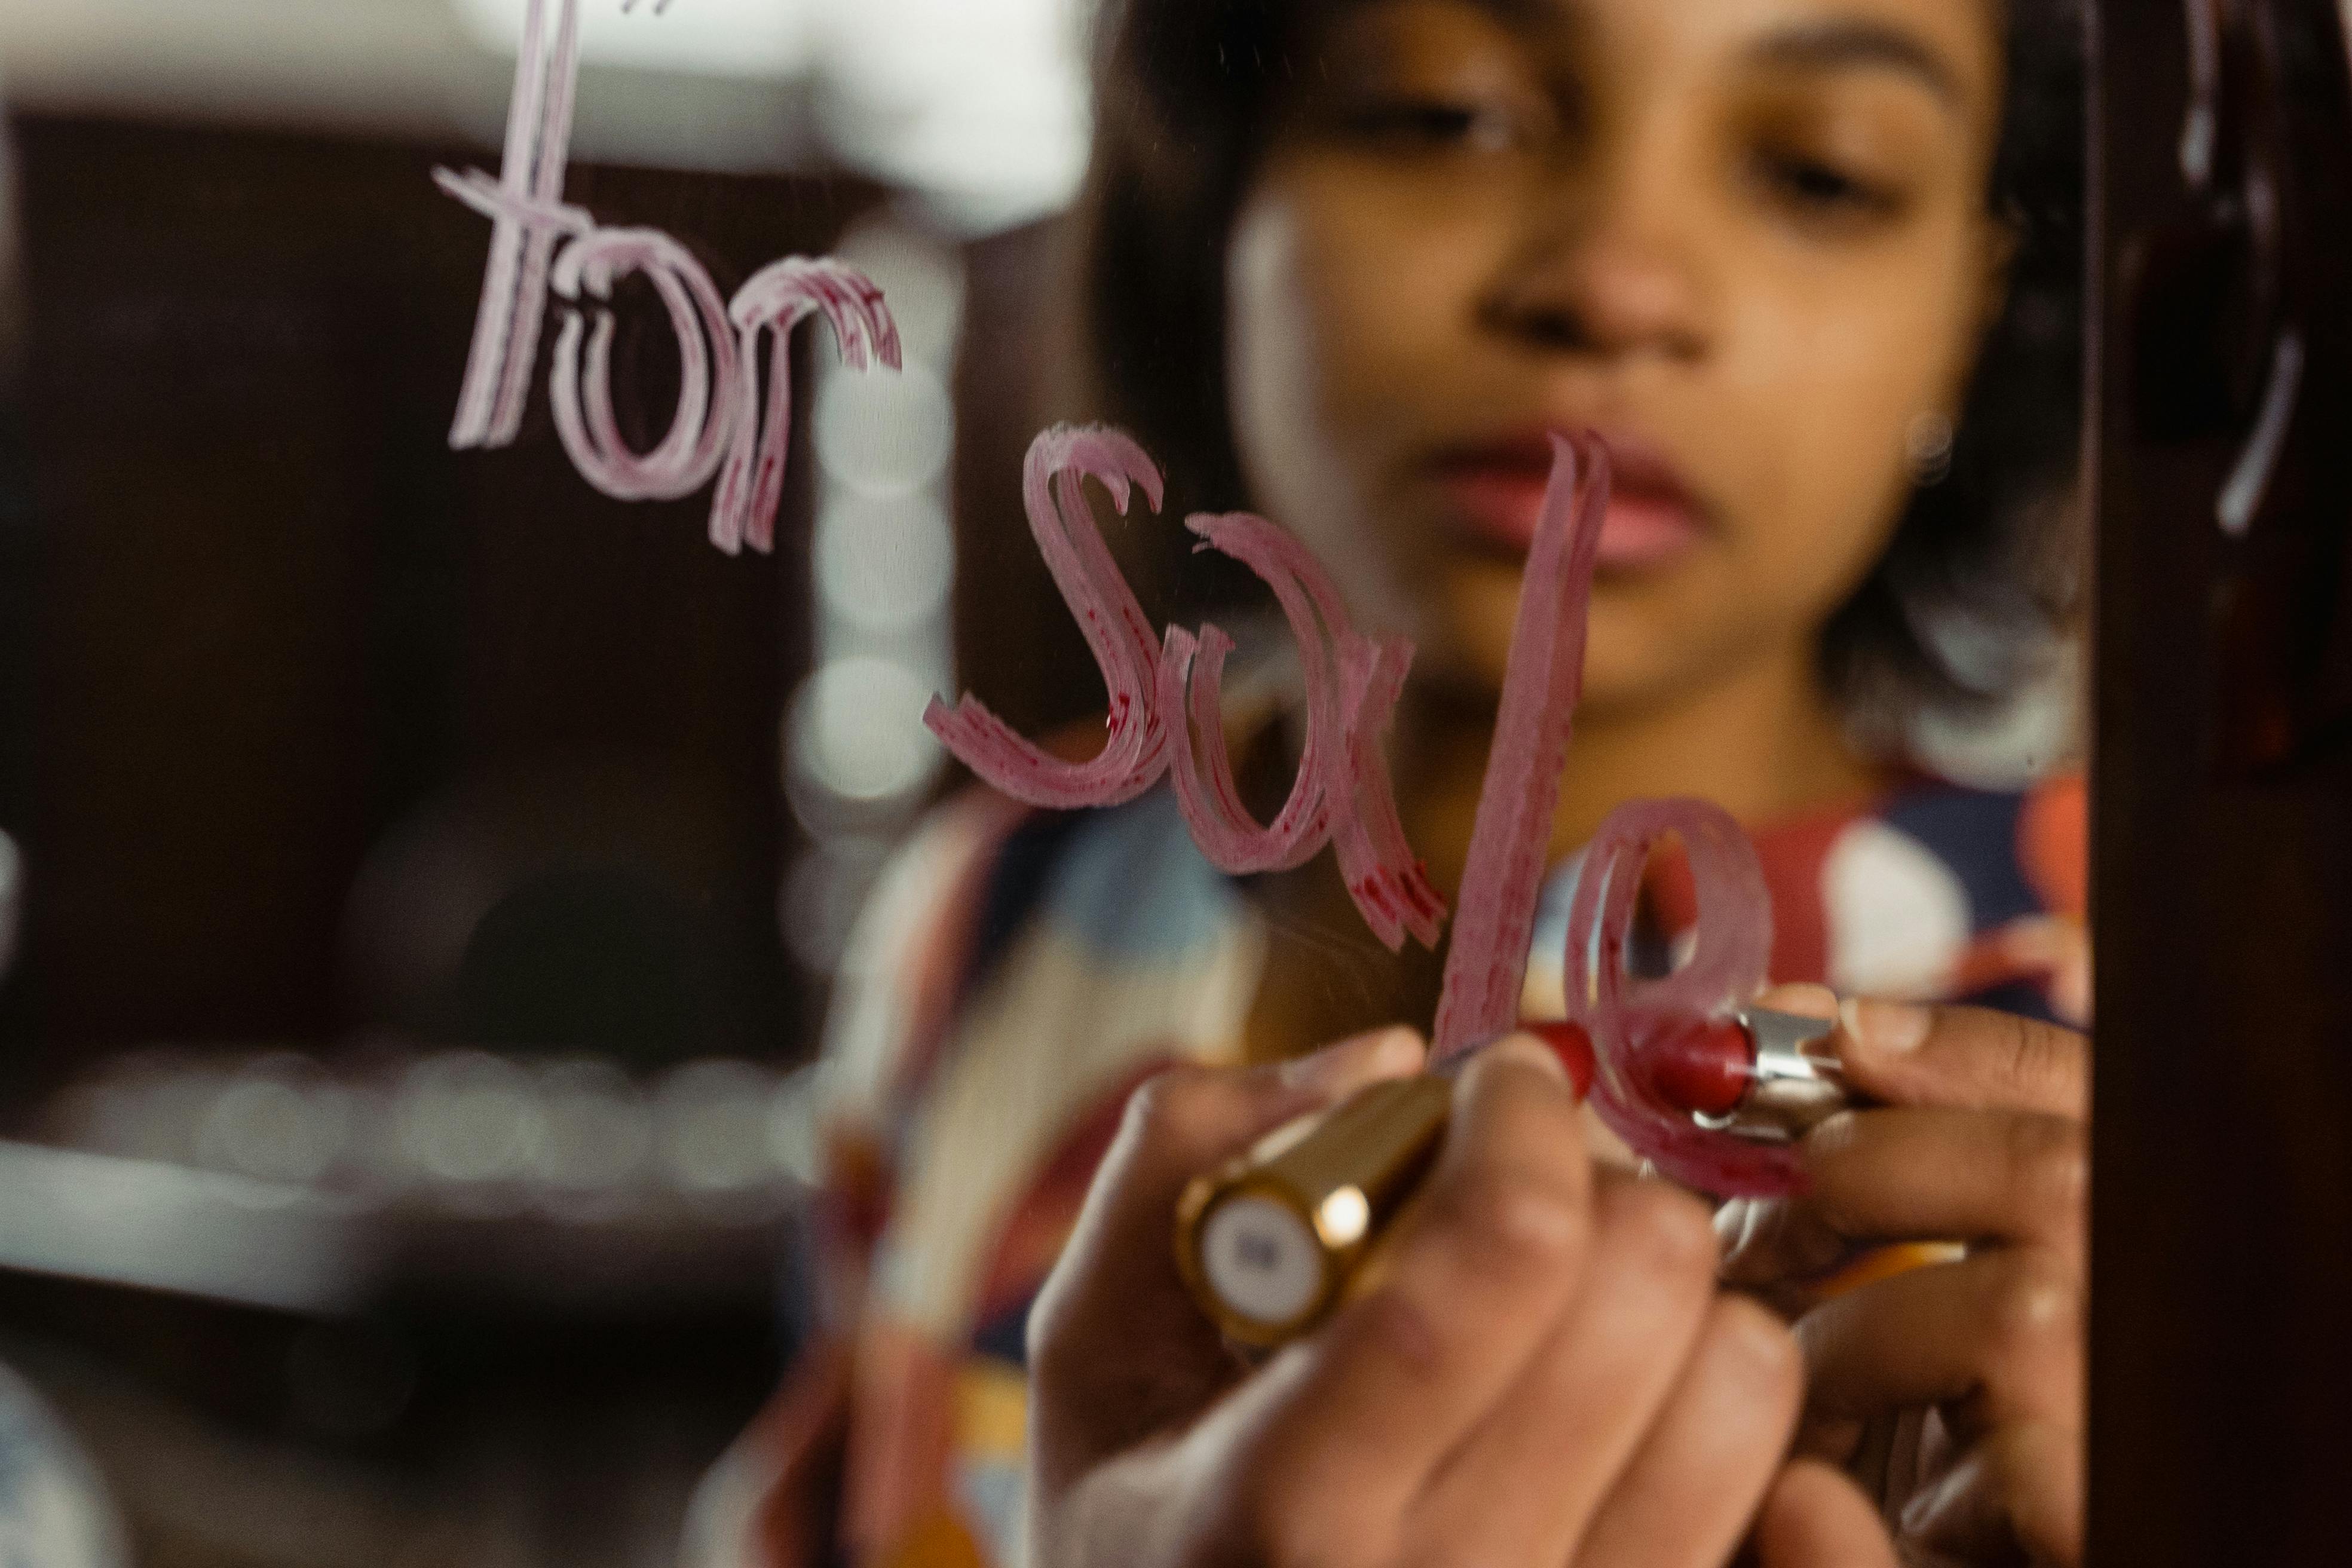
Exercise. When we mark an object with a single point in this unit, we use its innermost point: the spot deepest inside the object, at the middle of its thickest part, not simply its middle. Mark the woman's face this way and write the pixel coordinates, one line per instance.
(1745, 240)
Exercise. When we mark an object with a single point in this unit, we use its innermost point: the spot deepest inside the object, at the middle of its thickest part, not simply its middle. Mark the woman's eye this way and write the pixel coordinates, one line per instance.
(1818, 188)
(1433, 123)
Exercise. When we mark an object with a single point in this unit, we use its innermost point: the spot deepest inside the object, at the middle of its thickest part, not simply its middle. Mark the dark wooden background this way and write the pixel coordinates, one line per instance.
(2221, 1370)
(267, 622)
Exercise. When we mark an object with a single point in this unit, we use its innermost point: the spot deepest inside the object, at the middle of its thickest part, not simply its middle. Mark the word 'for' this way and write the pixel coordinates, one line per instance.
(721, 424)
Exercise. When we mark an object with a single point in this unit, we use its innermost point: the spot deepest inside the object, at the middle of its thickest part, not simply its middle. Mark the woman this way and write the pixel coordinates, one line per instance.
(1809, 268)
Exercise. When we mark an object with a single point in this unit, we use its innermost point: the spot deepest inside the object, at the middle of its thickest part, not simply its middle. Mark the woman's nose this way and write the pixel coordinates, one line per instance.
(1610, 274)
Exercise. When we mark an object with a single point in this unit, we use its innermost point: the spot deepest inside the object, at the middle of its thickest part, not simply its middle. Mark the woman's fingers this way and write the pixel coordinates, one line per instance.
(1526, 1483)
(1979, 1136)
(2002, 1330)
(1114, 1333)
(1346, 1427)
(1968, 1059)
(1815, 1518)
(1930, 1175)
(1915, 1174)
(2022, 1486)
(1687, 1499)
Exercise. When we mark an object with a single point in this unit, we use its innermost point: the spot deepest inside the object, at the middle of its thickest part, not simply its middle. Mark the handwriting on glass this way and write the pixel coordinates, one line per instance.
(1627, 1018)
(722, 426)
(1341, 794)
(1165, 716)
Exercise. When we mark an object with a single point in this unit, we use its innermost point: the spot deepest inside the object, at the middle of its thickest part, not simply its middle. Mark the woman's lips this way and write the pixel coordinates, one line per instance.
(1497, 493)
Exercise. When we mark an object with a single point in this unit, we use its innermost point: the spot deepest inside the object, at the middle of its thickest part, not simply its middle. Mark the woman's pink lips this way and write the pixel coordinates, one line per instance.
(1497, 495)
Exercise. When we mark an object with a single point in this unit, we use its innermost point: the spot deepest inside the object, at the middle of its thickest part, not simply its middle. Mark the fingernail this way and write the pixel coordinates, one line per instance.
(1379, 1053)
(1830, 1134)
(1528, 1050)
(1890, 1027)
(1397, 1051)
(1802, 998)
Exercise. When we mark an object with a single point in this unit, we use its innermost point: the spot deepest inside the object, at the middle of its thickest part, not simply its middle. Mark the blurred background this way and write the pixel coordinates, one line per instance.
(419, 872)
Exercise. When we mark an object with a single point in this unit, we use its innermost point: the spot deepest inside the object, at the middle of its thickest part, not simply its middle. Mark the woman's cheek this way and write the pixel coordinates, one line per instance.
(1838, 414)
(1323, 344)
(1395, 283)
(1358, 304)
(1291, 328)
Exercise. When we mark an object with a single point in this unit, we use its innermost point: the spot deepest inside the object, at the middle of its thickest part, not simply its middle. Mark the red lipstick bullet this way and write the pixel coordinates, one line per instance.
(1754, 1072)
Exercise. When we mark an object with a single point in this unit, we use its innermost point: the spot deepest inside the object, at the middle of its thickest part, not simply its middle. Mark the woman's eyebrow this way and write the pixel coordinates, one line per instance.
(1849, 45)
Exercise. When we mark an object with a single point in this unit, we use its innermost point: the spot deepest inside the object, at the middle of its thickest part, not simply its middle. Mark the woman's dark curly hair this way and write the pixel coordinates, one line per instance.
(1973, 586)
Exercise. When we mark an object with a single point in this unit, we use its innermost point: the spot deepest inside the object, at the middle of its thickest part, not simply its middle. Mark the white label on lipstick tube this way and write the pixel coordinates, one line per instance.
(1262, 1259)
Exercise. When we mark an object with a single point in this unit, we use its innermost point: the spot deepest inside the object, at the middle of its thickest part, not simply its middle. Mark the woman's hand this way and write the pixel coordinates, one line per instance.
(1981, 1137)
(1537, 1369)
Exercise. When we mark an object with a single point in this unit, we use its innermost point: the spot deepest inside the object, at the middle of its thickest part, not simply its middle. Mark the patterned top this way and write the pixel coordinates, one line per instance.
(1019, 972)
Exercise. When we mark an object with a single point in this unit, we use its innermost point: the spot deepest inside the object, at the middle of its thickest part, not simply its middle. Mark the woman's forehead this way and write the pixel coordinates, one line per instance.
(1951, 50)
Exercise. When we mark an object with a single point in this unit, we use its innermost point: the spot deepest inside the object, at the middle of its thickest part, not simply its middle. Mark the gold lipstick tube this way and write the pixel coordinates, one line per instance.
(1266, 1244)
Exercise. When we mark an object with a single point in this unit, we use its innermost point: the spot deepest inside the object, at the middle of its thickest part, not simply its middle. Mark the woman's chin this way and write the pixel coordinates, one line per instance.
(1480, 605)
(1634, 651)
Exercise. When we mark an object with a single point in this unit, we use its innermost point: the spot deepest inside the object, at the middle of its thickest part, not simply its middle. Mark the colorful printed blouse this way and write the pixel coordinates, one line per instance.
(1020, 972)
